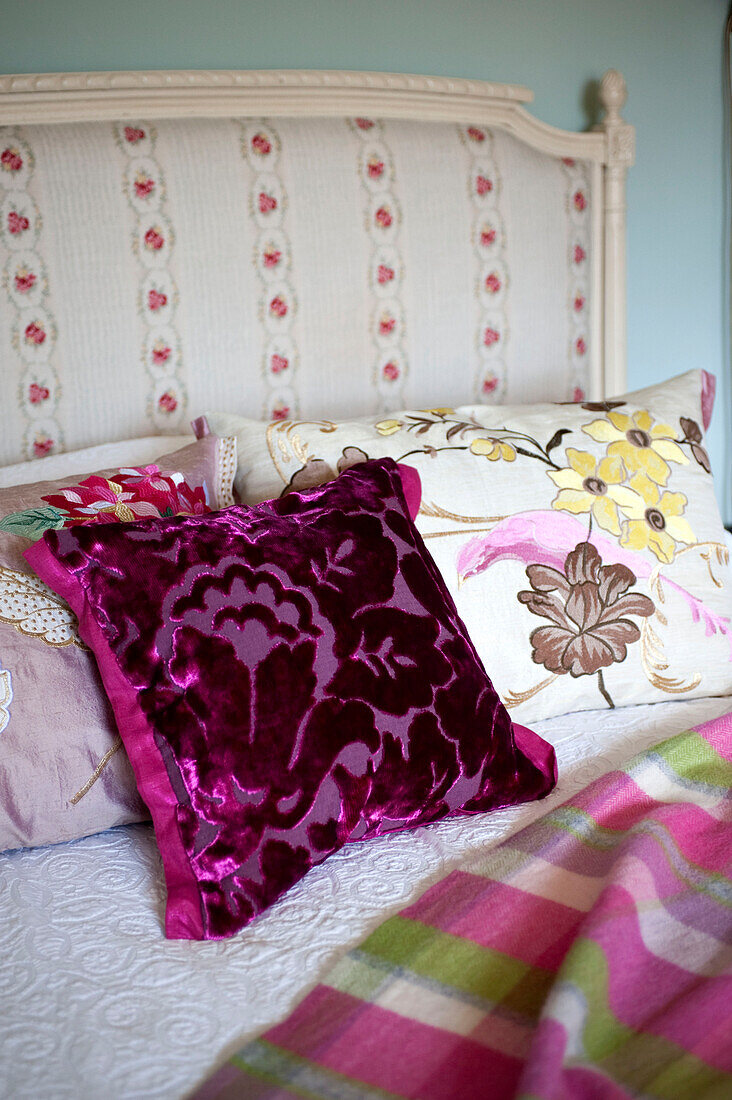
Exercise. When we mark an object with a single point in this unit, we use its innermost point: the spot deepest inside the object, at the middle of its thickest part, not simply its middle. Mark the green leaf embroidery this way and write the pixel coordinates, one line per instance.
(32, 523)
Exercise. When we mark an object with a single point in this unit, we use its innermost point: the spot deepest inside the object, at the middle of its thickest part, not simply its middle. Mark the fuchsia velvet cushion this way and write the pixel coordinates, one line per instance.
(287, 678)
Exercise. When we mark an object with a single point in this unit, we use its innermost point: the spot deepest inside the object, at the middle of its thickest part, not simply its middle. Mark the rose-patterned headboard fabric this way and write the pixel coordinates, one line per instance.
(293, 244)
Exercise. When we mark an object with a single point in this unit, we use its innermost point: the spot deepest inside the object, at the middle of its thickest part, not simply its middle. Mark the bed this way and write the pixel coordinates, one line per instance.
(299, 248)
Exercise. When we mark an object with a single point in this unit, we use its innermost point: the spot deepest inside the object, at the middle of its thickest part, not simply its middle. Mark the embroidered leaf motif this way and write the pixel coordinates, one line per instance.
(32, 523)
(556, 439)
(34, 609)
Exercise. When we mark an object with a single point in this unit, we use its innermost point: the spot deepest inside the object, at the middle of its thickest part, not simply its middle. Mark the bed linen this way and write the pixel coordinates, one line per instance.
(588, 955)
(114, 1011)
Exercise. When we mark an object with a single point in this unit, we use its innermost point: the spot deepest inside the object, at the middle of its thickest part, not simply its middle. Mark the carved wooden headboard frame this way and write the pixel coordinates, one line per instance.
(610, 147)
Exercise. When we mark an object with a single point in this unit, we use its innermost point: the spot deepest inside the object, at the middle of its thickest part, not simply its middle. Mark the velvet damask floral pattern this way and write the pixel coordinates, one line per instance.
(286, 679)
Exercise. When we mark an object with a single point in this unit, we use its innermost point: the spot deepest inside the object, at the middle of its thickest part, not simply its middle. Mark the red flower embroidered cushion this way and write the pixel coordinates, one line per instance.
(286, 679)
(588, 532)
(61, 774)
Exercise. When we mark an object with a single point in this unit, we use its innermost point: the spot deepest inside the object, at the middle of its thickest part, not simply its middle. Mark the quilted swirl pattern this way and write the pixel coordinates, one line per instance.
(286, 679)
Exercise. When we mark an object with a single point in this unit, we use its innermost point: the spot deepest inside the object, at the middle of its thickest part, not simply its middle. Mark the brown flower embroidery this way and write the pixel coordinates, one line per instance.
(316, 471)
(588, 605)
(693, 436)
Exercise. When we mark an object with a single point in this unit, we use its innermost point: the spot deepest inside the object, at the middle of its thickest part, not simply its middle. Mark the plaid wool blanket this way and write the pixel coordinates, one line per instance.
(589, 955)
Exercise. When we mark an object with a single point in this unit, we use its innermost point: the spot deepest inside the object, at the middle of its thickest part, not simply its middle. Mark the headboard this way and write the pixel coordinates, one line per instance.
(297, 243)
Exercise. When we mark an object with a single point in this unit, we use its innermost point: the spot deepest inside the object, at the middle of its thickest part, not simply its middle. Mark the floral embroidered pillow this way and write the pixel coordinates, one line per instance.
(585, 537)
(287, 678)
(61, 772)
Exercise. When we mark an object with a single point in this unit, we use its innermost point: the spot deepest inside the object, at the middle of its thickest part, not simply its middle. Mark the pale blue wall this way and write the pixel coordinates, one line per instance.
(668, 50)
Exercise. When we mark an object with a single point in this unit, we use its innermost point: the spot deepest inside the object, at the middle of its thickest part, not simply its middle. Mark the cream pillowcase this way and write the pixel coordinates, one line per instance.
(582, 543)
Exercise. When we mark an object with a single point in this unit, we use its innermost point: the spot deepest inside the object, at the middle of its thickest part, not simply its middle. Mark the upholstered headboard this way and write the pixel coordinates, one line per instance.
(297, 244)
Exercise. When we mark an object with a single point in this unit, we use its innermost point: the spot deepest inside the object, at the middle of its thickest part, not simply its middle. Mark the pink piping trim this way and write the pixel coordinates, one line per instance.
(709, 388)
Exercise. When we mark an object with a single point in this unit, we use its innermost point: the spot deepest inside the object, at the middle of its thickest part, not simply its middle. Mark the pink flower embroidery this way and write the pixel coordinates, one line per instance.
(483, 185)
(278, 306)
(272, 256)
(364, 123)
(24, 281)
(578, 394)
(491, 337)
(278, 363)
(156, 300)
(135, 493)
(167, 402)
(475, 134)
(579, 200)
(42, 445)
(280, 412)
(261, 145)
(160, 352)
(37, 394)
(154, 239)
(579, 254)
(11, 160)
(17, 223)
(569, 161)
(144, 186)
(390, 371)
(34, 333)
(487, 235)
(579, 303)
(266, 202)
(385, 274)
(375, 168)
(580, 346)
(383, 217)
(387, 324)
(492, 283)
(490, 384)
(133, 135)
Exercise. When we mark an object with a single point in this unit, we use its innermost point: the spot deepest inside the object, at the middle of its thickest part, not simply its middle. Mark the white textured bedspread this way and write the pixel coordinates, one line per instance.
(97, 1004)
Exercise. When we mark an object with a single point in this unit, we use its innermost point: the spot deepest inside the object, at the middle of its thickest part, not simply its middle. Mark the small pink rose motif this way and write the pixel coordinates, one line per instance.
(154, 239)
(375, 168)
(569, 161)
(490, 384)
(37, 394)
(167, 402)
(11, 160)
(580, 345)
(278, 306)
(280, 412)
(579, 254)
(385, 274)
(144, 186)
(271, 256)
(261, 145)
(42, 445)
(390, 371)
(387, 324)
(487, 236)
(160, 352)
(579, 201)
(579, 303)
(17, 223)
(34, 333)
(364, 123)
(491, 337)
(24, 281)
(578, 394)
(267, 203)
(492, 283)
(383, 217)
(156, 300)
(475, 134)
(133, 135)
(483, 185)
(278, 363)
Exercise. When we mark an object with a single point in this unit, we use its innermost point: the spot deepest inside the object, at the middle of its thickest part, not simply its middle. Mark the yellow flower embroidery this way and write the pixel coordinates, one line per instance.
(493, 449)
(439, 412)
(644, 447)
(388, 427)
(592, 486)
(655, 520)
